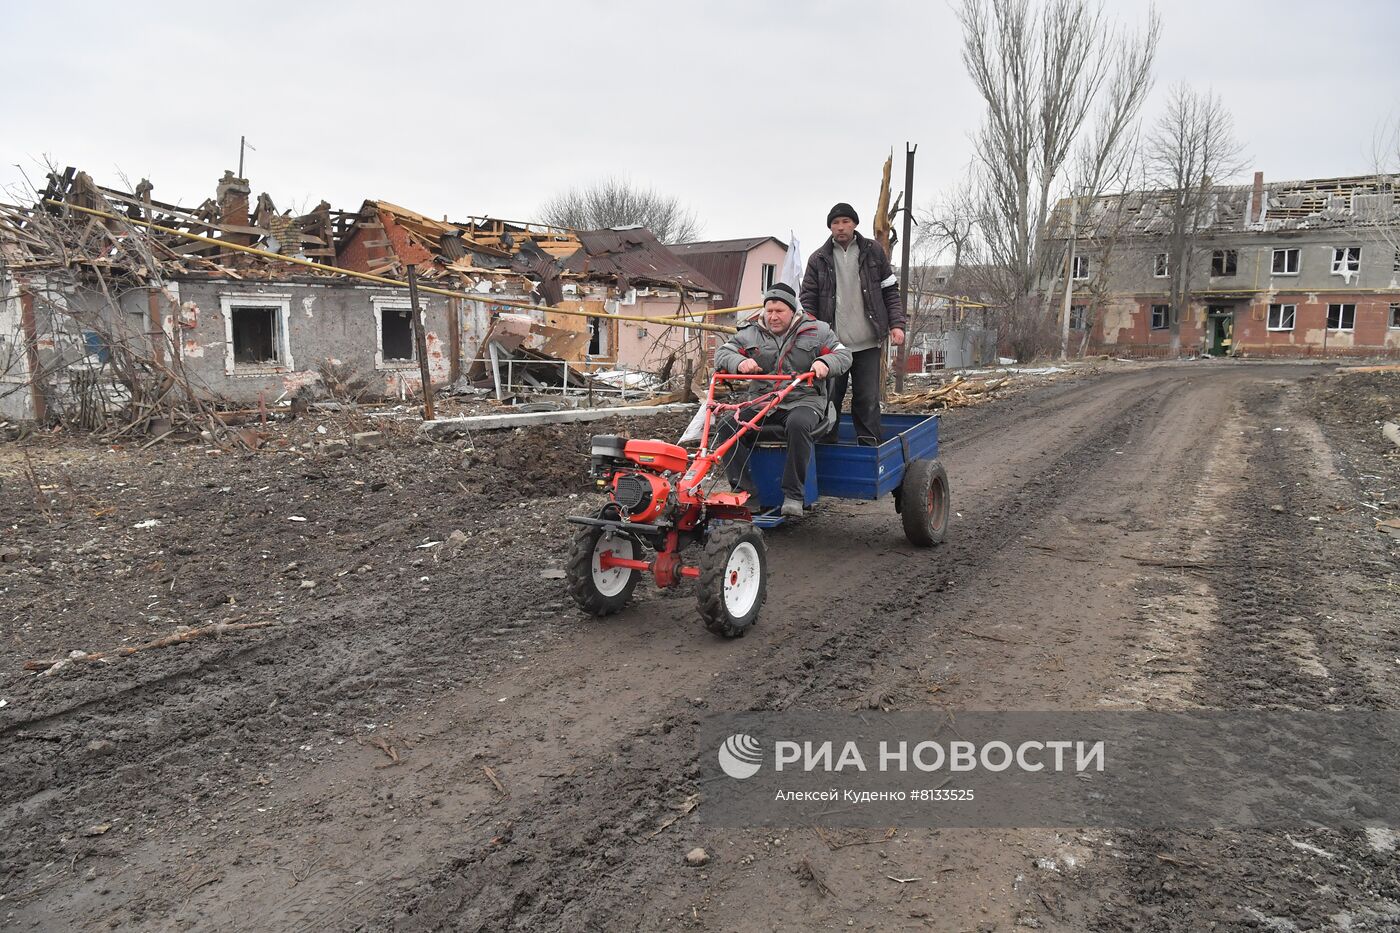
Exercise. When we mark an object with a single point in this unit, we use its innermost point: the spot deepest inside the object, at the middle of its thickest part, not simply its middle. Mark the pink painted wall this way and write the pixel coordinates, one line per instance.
(646, 346)
(750, 290)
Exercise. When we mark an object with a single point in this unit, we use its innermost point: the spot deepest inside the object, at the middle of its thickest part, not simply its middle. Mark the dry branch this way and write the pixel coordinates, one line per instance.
(165, 641)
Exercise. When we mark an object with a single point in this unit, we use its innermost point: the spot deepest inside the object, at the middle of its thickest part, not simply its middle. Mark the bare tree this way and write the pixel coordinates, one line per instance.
(1191, 147)
(1063, 88)
(617, 202)
(1385, 154)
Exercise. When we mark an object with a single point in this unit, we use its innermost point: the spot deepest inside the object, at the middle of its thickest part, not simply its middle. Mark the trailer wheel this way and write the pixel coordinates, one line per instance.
(733, 579)
(597, 591)
(923, 502)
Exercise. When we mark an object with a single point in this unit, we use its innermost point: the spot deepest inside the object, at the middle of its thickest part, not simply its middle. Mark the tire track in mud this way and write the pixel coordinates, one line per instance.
(573, 861)
(1287, 635)
(358, 665)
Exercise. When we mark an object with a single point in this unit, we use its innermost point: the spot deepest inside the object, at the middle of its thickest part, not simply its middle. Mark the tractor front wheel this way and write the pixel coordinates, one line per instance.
(598, 591)
(733, 578)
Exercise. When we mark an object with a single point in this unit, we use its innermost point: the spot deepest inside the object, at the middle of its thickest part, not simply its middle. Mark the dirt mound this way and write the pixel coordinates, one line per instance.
(550, 460)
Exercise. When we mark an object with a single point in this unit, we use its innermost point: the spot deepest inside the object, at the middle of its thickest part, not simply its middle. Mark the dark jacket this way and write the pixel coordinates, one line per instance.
(805, 341)
(879, 286)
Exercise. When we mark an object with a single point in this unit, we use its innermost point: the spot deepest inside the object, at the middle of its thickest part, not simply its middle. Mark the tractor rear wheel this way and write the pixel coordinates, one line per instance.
(595, 590)
(733, 578)
(923, 502)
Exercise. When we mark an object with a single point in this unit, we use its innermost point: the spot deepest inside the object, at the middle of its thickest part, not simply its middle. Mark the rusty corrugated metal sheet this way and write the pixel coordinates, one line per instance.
(725, 269)
(744, 244)
(634, 254)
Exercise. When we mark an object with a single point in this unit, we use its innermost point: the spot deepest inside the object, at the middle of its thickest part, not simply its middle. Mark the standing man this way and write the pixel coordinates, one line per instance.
(849, 284)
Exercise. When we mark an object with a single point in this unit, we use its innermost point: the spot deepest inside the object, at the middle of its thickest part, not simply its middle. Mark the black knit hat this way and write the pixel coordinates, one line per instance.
(842, 210)
(781, 291)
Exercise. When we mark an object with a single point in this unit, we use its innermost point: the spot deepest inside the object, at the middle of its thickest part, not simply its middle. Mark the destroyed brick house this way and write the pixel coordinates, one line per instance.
(1302, 268)
(245, 328)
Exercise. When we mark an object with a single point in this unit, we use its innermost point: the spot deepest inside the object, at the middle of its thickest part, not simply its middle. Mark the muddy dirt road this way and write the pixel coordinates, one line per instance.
(428, 738)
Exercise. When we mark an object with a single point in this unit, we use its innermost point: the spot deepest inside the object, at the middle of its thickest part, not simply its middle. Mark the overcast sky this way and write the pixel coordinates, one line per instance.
(760, 115)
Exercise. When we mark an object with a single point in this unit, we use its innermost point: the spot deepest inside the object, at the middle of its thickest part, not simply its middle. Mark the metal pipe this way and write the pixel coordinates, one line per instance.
(902, 352)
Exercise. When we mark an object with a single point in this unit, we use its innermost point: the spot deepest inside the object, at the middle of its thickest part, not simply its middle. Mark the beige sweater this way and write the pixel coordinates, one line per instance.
(853, 328)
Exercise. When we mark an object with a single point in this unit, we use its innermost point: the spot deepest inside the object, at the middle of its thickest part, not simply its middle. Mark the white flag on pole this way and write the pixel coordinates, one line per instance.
(792, 265)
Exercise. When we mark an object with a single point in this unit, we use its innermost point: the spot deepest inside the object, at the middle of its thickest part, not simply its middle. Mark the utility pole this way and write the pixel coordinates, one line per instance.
(243, 144)
(902, 352)
(420, 342)
(1069, 275)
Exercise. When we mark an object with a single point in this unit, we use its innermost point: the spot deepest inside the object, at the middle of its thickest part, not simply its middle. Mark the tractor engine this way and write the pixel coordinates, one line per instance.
(641, 474)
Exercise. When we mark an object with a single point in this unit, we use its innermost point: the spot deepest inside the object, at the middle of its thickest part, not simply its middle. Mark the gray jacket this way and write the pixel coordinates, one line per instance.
(806, 341)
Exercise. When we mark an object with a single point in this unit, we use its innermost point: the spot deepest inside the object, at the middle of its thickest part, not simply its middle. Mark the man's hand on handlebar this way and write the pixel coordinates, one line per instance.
(748, 367)
(820, 369)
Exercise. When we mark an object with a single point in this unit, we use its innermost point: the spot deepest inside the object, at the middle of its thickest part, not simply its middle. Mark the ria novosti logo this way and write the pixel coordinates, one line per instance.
(740, 756)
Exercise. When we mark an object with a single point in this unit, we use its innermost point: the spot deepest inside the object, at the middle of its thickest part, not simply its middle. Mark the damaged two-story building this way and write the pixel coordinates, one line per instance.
(1301, 268)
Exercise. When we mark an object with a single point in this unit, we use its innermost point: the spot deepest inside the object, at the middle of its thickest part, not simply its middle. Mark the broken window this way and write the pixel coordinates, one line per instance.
(1079, 317)
(1396, 266)
(766, 275)
(1285, 262)
(1395, 317)
(1346, 260)
(1223, 262)
(1081, 267)
(1161, 317)
(257, 338)
(1341, 317)
(595, 337)
(1281, 317)
(396, 333)
(1161, 266)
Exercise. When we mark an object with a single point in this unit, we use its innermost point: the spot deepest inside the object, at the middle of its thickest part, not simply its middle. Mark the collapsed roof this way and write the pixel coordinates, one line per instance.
(1319, 203)
(380, 238)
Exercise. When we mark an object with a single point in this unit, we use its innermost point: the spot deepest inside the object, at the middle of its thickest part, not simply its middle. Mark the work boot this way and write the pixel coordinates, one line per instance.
(792, 508)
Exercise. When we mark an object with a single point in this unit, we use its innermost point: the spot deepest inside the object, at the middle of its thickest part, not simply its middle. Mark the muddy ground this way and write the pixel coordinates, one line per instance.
(427, 737)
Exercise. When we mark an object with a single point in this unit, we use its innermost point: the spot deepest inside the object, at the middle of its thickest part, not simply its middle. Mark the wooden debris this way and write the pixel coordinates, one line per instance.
(500, 788)
(958, 392)
(165, 641)
(808, 872)
(384, 746)
(687, 806)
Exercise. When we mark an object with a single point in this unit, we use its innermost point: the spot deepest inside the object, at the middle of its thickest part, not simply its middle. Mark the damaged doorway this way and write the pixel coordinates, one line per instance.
(1220, 329)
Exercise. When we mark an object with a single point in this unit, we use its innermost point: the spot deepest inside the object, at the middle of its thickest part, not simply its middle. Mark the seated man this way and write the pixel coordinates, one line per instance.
(781, 340)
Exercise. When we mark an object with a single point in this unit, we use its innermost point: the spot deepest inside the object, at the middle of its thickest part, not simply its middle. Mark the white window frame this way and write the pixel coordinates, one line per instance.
(1081, 314)
(767, 275)
(1224, 253)
(1290, 309)
(1297, 260)
(1080, 269)
(1341, 306)
(1342, 262)
(1166, 317)
(380, 304)
(283, 305)
(1162, 266)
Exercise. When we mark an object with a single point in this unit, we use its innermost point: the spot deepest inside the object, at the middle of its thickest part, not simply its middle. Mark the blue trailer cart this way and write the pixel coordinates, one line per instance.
(904, 465)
